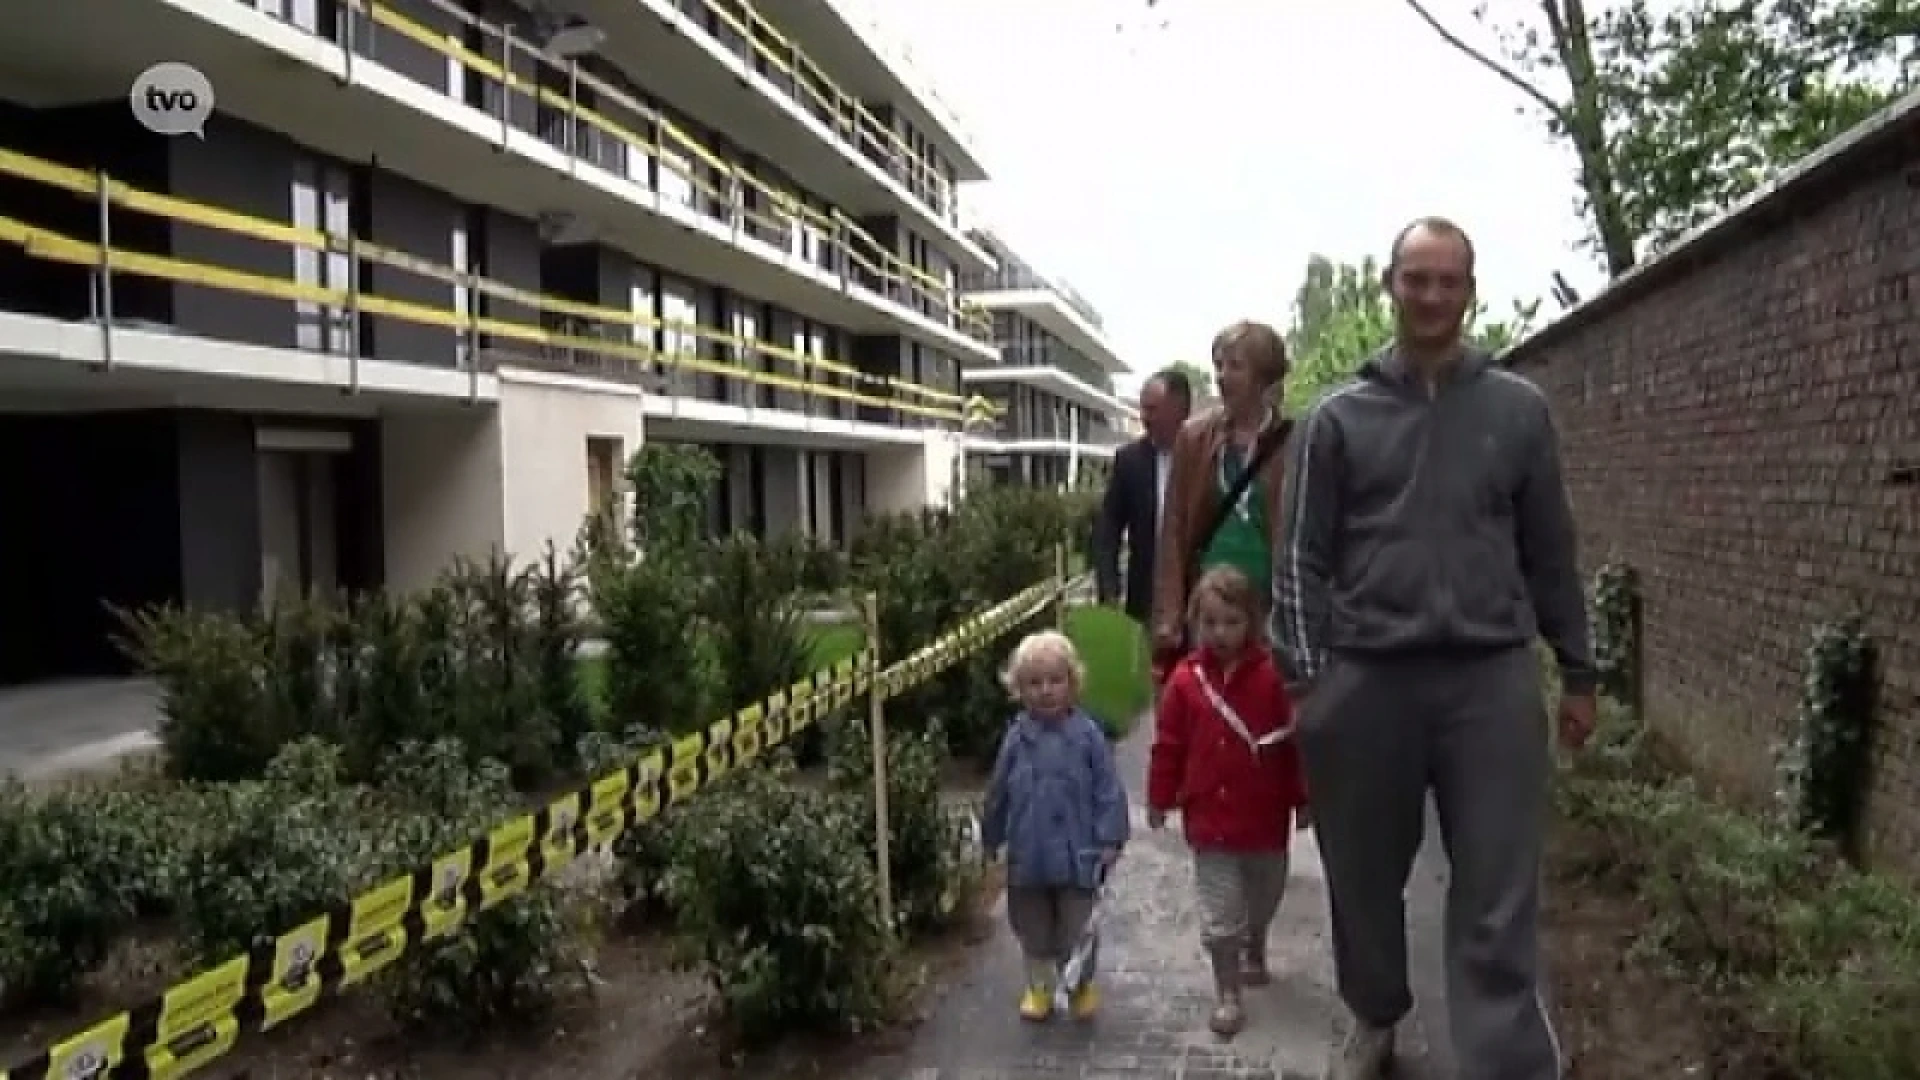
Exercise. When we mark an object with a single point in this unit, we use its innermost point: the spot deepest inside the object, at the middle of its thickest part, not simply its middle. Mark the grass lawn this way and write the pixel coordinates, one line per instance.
(832, 644)
(1118, 689)
(1113, 647)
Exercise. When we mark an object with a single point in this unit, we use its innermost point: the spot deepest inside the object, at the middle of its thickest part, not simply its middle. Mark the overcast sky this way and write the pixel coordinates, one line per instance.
(1178, 166)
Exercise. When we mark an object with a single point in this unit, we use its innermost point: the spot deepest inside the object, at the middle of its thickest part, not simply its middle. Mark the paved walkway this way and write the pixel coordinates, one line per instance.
(1158, 991)
(80, 725)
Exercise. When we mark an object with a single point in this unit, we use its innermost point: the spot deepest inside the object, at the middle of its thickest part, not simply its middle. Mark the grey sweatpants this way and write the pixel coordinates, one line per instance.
(1239, 893)
(1048, 924)
(1377, 735)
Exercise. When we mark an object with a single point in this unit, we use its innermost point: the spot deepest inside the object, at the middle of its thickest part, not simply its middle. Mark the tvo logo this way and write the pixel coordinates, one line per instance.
(172, 99)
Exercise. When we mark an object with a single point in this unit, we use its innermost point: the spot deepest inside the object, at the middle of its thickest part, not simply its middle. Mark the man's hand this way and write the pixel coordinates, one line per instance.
(1156, 819)
(1578, 716)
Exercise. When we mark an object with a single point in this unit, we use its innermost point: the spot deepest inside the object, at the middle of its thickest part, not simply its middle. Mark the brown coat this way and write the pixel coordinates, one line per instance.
(1193, 497)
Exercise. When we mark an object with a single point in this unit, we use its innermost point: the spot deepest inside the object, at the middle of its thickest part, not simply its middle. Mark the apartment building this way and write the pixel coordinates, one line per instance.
(1052, 418)
(434, 271)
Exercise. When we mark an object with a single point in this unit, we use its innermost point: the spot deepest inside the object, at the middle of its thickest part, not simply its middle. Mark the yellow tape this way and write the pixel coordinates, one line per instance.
(375, 937)
(505, 873)
(607, 806)
(652, 768)
(196, 1020)
(92, 1052)
(557, 846)
(294, 984)
(683, 775)
(444, 907)
(719, 756)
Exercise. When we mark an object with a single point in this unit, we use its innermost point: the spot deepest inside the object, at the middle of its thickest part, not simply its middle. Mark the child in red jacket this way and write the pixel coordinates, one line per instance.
(1223, 755)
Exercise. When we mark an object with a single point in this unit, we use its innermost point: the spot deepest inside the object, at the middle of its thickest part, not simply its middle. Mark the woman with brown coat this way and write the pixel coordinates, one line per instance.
(1211, 458)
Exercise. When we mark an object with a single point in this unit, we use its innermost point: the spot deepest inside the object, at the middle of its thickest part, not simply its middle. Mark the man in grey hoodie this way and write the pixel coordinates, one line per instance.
(1427, 540)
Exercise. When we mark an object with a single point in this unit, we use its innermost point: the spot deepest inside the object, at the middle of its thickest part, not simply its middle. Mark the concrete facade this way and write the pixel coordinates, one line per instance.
(394, 309)
(1054, 421)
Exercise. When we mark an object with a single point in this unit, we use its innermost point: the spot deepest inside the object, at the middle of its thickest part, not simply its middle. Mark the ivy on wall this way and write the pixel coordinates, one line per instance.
(1826, 768)
(1616, 629)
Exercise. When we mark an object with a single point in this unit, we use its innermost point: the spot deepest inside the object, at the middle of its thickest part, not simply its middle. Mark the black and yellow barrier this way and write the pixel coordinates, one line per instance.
(597, 329)
(487, 53)
(200, 1019)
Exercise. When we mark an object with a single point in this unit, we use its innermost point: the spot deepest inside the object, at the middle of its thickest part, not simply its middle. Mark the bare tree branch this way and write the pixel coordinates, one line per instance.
(1553, 107)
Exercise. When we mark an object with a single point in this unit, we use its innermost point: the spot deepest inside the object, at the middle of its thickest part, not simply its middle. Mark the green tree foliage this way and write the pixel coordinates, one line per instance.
(1675, 110)
(1342, 315)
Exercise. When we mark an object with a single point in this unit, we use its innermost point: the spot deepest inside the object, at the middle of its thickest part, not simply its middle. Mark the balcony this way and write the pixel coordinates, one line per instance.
(591, 117)
(346, 289)
(747, 75)
(475, 110)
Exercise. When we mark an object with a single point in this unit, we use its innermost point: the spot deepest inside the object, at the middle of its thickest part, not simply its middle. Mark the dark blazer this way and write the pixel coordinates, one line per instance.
(1129, 515)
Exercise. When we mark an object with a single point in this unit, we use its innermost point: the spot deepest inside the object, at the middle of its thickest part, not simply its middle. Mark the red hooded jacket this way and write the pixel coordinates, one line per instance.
(1230, 797)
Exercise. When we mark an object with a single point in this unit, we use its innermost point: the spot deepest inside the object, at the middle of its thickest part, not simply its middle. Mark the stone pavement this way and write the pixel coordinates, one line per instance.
(81, 725)
(1157, 991)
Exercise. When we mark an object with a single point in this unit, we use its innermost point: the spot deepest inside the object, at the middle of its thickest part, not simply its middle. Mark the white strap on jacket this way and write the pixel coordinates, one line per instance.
(1232, 716)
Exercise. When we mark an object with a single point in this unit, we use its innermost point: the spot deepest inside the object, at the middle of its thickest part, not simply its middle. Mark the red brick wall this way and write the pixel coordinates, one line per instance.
(1740, 424)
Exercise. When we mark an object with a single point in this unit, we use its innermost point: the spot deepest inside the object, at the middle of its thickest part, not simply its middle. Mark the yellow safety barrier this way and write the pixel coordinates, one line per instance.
(613, 323)
(200, 1019)
(652, 134)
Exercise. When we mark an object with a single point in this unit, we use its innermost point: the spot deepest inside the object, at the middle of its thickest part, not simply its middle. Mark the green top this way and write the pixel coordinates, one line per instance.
(1242, 540)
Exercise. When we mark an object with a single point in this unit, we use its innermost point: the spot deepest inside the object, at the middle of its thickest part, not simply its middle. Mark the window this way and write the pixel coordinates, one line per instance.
(603, 486)
(321, 200)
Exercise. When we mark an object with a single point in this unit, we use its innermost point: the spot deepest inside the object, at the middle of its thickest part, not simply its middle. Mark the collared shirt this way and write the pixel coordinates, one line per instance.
(1162, 466)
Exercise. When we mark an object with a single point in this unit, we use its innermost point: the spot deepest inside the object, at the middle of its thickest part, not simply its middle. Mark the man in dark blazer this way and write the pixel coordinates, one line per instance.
(1136, 490)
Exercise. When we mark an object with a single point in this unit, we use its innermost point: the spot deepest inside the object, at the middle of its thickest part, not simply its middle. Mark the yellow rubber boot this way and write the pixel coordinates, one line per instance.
(1085, 1001)
(1036, 1003)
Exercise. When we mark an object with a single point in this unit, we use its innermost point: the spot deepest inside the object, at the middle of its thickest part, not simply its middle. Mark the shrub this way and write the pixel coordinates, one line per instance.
(151, 832)
(644, 853)
(1815, 962)
(662, 669)
(907, 561)
(66, 898)
(931, 873)
(214, 723)
(274, 851)
(486, 654)
(775, 895)
(505, 966)
(759, 624)
(672, 487)
(1007, 539)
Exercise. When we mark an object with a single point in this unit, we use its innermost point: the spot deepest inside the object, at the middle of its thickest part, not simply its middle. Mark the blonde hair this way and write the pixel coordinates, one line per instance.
(1260, 345)
(1234, 589)
(1039, 648)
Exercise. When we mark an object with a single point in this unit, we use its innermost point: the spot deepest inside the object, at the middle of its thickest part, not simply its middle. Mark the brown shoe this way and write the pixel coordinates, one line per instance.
(1253, 969)
(1228, 1016)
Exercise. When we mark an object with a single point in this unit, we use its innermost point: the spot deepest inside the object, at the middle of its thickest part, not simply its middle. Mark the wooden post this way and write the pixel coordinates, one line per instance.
(1060, 585)
(877, 732)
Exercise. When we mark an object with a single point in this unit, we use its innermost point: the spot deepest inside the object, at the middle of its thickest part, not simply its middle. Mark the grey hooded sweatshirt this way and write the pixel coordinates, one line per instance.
(1423, 523)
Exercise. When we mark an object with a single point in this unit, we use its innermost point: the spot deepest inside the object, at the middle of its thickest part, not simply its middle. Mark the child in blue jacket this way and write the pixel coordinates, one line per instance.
(1057, 807)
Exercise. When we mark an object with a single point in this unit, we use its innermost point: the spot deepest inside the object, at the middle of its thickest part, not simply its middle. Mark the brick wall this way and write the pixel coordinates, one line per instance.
(1741, 422)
